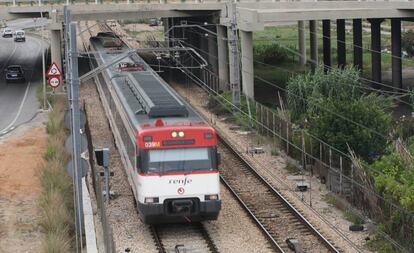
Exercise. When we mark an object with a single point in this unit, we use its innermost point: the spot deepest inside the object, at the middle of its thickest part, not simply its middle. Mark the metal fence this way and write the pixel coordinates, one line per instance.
(107, 235)
(315, 157)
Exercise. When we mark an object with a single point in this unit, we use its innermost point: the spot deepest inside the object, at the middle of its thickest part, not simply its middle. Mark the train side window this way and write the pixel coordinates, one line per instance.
(138, 162)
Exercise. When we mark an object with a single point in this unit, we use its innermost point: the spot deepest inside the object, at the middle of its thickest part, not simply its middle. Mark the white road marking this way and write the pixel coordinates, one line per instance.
(10, 56)
(20, 109)
(10, 126)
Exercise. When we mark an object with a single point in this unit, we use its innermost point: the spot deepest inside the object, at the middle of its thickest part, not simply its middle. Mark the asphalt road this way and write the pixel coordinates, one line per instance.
(18, 102)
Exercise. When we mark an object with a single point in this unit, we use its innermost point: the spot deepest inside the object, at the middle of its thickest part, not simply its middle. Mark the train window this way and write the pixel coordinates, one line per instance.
(177, 160)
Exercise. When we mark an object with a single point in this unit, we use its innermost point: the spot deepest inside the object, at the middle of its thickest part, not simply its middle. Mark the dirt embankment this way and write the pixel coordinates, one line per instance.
(20, 159)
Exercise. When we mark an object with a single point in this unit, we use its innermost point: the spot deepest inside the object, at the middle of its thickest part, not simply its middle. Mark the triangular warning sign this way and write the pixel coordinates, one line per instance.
(54, 70)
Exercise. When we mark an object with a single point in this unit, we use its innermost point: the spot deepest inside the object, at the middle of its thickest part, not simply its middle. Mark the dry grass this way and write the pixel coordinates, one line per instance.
(56, 201)
(56, 242)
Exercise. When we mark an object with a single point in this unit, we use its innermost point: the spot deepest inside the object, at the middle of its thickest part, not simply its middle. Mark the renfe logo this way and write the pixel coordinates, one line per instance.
(180, 190)
(183, 182)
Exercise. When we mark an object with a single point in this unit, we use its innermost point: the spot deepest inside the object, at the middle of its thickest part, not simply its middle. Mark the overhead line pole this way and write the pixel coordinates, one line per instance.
(75, 116)
(234, 44)
(43, 65)
(67, 19)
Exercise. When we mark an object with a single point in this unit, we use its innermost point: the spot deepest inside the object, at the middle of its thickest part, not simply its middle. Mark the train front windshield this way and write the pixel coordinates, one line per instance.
(161, 161)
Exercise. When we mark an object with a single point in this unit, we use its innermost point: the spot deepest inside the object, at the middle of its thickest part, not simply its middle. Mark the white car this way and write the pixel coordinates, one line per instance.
(7, 32)
(19, 35)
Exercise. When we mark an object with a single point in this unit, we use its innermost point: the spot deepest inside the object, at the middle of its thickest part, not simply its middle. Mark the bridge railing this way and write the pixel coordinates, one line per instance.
(81, 2)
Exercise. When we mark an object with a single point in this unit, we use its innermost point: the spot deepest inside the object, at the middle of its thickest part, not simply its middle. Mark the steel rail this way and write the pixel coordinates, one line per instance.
(157, 239)
(198, 226)
(275, 192)
(274, 243)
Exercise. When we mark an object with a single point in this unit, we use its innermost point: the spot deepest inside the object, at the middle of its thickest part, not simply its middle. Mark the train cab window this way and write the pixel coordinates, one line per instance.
(177, 160)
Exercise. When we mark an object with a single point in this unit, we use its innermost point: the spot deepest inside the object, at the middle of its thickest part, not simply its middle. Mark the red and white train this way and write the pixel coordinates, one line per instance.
(169, 151)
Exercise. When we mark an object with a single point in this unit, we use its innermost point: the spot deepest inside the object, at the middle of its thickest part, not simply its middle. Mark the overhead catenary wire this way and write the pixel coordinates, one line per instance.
(318, 138)
(297, 53)
(283, 89)
(403, 91)
(209, 89)
(194, 78)
(206, 87)
(394, 93)
(361, 47)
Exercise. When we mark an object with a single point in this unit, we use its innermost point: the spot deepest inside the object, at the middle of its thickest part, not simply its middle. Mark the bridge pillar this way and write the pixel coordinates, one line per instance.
(212, 52)
(302, 42)
(357, 37)
(396, 52)
(231, 60)
(55, 29)
(204, 46)
(341, 45)
(247, 63)
(165, 23)
(55, 46)
(326, 41)
(223, 68)
(313, 45)
(376, 51)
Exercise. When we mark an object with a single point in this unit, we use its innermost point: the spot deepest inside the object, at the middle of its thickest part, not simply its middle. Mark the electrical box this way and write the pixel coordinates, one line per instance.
(102, 156)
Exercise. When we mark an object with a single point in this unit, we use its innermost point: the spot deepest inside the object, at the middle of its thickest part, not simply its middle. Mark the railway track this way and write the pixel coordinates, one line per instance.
(284, 226)
(190, 237)
(286, 229)
(178, 238)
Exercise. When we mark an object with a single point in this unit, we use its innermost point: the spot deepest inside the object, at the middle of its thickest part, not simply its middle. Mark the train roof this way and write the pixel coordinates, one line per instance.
(144, 95)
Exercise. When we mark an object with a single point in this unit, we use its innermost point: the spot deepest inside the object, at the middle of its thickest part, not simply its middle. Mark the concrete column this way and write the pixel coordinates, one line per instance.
(341, 46)
(204, 46)
(231, 61)
(247, 63)
(302, 42)
(376, 51)
(212, 52)
(357, 36)
(204, 53)
(165, 23)
(56, 47)
(326, 32)
(396, 52)
(223, 67)
(313, 44)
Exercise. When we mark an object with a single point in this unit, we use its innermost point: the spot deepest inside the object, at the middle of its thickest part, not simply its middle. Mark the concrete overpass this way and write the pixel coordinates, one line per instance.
(252, 16)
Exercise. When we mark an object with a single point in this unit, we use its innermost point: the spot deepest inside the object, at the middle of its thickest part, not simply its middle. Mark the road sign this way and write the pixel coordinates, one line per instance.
(54, 82)
(54, 70)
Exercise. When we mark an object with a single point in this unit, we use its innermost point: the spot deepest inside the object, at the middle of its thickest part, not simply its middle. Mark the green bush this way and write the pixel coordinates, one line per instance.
(270, 53)
(360, 124)
(305, 92)
(222, 104)
(337, 112)
(407, 42)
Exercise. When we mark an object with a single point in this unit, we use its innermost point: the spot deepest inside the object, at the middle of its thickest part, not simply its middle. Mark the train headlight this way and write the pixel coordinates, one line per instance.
(174, 134)
(181, 134)
(211, 197)
(208, 136)
(151, 200)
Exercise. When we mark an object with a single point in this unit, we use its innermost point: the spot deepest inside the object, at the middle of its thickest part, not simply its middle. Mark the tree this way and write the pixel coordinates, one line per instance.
(360, 123)
(339, 113)
(408, 42)
(305, 92)
(396, 184)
